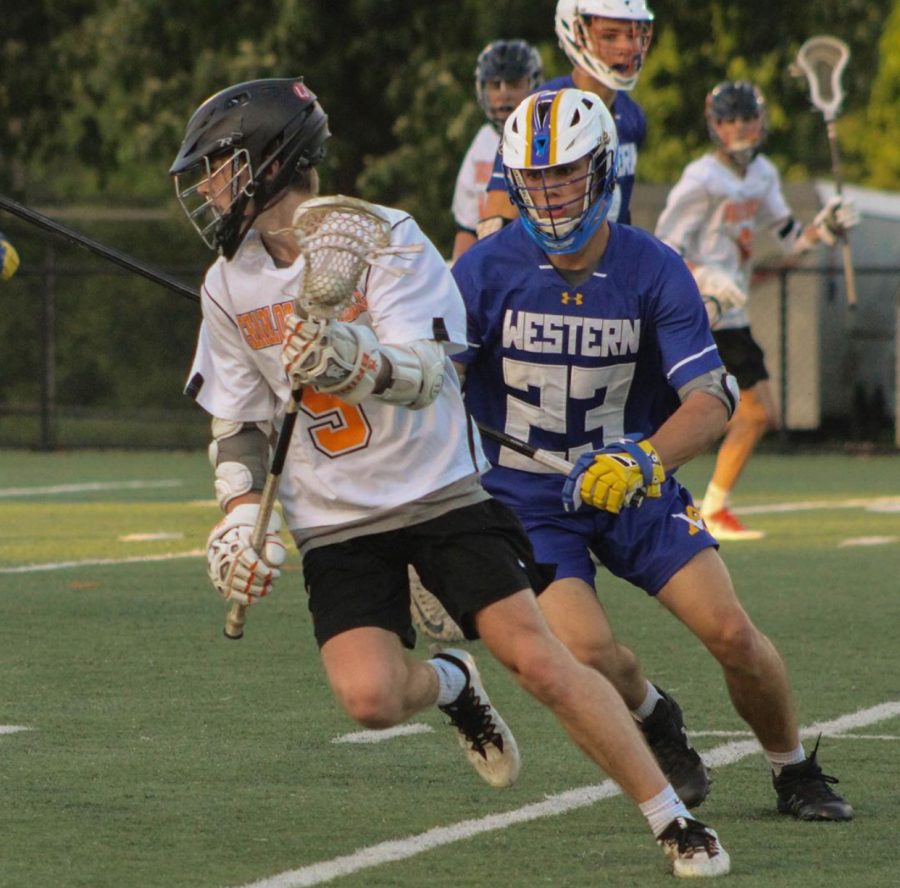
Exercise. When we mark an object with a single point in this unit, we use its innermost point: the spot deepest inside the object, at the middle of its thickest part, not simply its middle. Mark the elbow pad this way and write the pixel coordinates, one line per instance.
(412, 375)
(239, 453)
(719, 383)
(793, 238)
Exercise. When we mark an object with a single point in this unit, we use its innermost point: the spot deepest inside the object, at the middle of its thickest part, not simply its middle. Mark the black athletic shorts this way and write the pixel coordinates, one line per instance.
(742, 356)
(468, 558)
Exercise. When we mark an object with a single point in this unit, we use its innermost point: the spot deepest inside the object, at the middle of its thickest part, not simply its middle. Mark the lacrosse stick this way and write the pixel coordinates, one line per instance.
(822, 61)
(542, 457)
(339, 238)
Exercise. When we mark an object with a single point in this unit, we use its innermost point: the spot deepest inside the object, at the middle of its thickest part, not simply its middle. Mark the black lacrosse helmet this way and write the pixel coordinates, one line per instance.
(734, 99)
(505, 60)
(253, 124)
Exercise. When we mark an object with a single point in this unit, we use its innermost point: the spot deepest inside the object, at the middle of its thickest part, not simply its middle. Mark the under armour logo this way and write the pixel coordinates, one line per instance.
(575, 298)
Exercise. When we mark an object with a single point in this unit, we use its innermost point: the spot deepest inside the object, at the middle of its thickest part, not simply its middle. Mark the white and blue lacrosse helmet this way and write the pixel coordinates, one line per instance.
(559, 128)
(592, 51)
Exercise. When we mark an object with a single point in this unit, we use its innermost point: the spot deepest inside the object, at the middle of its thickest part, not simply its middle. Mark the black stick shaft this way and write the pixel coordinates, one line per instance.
(82, 240)
(544, 457)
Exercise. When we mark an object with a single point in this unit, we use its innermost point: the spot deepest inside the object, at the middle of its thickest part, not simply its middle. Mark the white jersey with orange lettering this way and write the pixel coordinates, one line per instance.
(474, 173)
(712, 214)
(346, 463)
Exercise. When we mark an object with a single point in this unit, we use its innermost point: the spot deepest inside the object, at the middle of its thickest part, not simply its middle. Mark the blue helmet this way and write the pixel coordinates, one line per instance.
(551, 129)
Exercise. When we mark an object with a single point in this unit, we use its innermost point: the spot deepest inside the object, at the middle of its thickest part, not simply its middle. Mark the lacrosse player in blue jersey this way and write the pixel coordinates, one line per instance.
(589, 339)
(606, 41)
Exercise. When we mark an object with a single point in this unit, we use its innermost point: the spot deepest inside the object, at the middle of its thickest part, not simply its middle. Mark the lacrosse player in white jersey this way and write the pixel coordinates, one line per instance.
(506, 71)
(589, 339)
(383, 467)
(710, 217)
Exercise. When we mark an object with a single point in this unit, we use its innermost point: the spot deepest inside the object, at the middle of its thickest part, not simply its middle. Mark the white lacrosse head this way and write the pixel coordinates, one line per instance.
(822, 60)
(339, 237)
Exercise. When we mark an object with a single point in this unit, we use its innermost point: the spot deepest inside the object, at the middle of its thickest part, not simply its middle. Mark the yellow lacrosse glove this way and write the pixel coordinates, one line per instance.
(618, 475)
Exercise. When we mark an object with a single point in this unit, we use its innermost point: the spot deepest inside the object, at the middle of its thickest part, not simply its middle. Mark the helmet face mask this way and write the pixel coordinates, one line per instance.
(214, 190)
(243, 149)
(736, 120)
(560, 157)
(506, 71)
(608, 39)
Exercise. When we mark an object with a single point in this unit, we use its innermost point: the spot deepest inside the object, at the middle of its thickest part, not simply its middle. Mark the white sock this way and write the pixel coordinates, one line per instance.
(662, 809)
(451, 680)
(646, 708)
(780, 759)
(714, 500)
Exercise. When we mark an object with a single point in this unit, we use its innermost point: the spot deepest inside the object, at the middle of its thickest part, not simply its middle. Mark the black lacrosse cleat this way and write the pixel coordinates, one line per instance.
(667, 738)
(806, 793)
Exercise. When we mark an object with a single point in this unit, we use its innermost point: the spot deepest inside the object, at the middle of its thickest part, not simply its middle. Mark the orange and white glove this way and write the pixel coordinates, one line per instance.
(236, 570)
(332, 356)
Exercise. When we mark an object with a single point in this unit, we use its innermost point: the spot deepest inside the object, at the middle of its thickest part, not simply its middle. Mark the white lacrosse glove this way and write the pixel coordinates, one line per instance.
(835, 219)
(333, 357)
(237, 572)
(719, 291)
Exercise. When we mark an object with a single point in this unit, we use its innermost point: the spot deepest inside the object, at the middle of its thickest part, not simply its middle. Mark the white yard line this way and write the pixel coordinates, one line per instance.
(381, 736)
(62, 565)
(867, 541)
(403, 849)
(875, 503)
(13, 729)
(55, 489)
(835, 735)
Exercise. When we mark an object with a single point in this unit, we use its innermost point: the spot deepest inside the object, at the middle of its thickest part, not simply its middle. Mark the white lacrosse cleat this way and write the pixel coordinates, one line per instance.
(489, 744)
(693, 849)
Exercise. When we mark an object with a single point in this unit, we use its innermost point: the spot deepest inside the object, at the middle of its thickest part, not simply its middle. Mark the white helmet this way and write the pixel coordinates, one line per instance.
(549, 129)
(572, 29)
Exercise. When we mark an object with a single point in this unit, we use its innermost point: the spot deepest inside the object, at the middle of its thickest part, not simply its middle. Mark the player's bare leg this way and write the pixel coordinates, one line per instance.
(585, 702)
(576, 616)
(376, 681)
(380, 685)
(594, 715)
(702, 596)
(754, 417)
(578, 619)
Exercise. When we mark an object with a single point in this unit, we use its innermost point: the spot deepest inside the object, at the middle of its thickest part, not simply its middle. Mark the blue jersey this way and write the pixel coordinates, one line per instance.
(573, 368)
(631, 125)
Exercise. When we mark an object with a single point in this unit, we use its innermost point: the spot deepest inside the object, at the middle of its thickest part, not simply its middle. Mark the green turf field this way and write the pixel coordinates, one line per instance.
(159, 755)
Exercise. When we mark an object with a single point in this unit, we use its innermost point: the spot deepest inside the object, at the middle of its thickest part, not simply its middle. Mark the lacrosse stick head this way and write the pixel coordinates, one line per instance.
(822, 61)
(338, 237)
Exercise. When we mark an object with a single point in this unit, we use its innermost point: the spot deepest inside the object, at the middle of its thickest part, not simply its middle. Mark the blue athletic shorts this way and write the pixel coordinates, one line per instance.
(646, 545)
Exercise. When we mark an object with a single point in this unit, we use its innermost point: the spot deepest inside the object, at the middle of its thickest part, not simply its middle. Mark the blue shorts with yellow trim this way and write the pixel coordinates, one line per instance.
(646, 545)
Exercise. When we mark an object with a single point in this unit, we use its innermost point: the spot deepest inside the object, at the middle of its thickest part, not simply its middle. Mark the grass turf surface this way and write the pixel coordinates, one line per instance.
(161, 755)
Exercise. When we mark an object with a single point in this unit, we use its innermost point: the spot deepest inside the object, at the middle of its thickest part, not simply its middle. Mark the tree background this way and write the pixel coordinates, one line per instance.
(94, 96)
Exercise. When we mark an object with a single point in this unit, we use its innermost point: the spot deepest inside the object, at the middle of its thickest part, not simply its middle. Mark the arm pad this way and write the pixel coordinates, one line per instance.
(239, 453)
(415, 373)
(719, 383)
